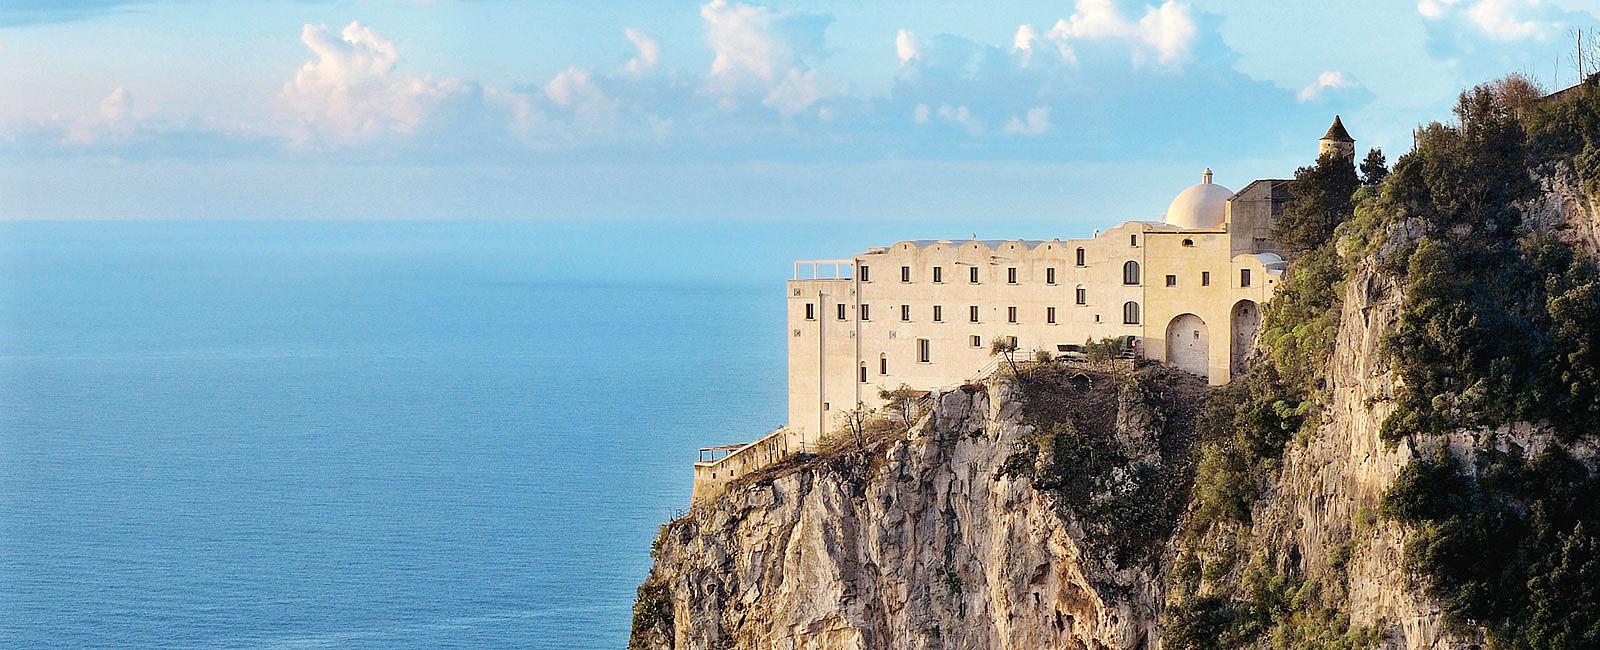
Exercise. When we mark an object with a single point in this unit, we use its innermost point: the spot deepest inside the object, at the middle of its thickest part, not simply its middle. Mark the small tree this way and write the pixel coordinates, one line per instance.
(1321, 202)
(1373, 168)
(1006, 347)
(1102, 351)
(902, 402)
(856, 419)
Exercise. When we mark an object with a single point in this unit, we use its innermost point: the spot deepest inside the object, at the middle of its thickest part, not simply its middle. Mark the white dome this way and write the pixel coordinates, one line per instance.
(1201, 206)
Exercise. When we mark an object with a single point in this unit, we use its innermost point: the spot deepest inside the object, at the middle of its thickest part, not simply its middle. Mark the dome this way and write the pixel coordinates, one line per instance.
(1201, 206)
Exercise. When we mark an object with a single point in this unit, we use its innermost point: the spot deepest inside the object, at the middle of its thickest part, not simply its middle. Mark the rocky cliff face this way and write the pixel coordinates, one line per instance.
(926, 541)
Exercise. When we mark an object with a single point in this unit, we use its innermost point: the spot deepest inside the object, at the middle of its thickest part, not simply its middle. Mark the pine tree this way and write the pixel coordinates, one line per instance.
(1321, 202)
(1373, 168)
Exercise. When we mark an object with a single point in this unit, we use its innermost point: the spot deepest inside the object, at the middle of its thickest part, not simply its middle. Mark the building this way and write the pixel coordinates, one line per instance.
(1186, 290)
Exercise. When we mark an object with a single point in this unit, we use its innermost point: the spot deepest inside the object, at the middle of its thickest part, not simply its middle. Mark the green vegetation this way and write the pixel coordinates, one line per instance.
(1321, 202)
(652, 613)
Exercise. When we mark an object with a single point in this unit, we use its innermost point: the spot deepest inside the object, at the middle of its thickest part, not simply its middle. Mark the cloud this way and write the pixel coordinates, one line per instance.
(649, 52)
(1165, 32)
(1035, 122)
(1326, 83)
(350, 93)
(755, 49)
(1502, 20)
(1483, 39)
(905, 46)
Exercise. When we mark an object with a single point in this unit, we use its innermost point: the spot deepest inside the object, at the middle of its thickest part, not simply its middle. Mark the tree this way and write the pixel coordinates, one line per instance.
(856, 419)
(1373, 168)
(1321, 202)
(1006, 347)
(902, 402)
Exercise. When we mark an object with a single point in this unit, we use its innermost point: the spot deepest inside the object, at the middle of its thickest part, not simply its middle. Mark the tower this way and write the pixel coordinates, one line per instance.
(1337, 141)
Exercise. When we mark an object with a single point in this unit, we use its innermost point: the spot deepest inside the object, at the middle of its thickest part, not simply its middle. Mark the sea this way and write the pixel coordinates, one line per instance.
(357, 434)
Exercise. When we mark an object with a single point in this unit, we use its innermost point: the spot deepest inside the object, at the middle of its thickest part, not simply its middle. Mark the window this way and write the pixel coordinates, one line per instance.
(924, 353)
(841, 311)
(1080, 257)
(905, 274)
(863, 373)
(1130, 272)
(1050, 275)
(1097, 318)
(977, 341)
(1205, 278)
(1188, 243)
(938, 274)
(905, 312)
(1011, 275)
(1130, 313)
(1011, 314)
(1050, 315)
(1133, 240)
(864, 313)
(938, 314)
(972, 313)
(865, 277)
(883, 364)
(1012, 340)
(1083, 295)
(811, 311)
(1244, 277)
(1172, 280)
(973, 273)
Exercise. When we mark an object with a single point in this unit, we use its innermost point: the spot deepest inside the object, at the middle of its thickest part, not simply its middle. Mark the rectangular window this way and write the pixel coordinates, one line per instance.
(973, 273)
(863, 373)
(1012, 340)
(811, 311)
(924, 351)
(1205, 278)
(865, 277)
(972, 313)
(938, 314)
(1244, 277)
(1080, 257)
(1011, 275)
(905, 312)
(1050, 315)
(883, 364)
(864, 313)
(905, 274)
(1172, 280)
(1133, 240)
(1083, 296)
(841, 311)
(938, 274)
(1050, 275)
(1011, 314)
(977, 341)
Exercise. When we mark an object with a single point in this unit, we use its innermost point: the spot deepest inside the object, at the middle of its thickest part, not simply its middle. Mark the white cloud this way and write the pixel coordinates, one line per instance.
(349, 92)
(906, 46)
(574, 88)
(921, 113)
(799, 90)
(1035, 122)
(1169, 29)
(115, 118)
(961, 116)
(1330, 80)
(1501, 20)
(649, 52)
(1166, 31)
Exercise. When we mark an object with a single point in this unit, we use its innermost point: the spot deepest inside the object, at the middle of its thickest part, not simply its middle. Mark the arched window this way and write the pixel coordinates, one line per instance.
(883, 364)
(1080, 257)
(1083, 295)
(1130, 272)
(1130, 313)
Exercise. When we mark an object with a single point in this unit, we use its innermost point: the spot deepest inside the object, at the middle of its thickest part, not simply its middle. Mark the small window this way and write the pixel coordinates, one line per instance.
(883, 364)
(1172, 280)
(924, 351)
(1244, 277)
(863, 373)
(1130, 313)
(811, 311)
(977, 341)
(1188, 243)
(865, 277)
(1050, 275)
(864, 313)
(905, 312)
(1011, 275)
(1050, 315)
(1012, 341)
(1011, 314)
(826, 406)
(938, 274)
(1133, 240)
(841, 311)
(938, 314)
(1097, 318)
(905, 274)
(1080, 257)
(1083, 295)
(973, 274)
(972, 313)
(1205, 278)
(1130, 272)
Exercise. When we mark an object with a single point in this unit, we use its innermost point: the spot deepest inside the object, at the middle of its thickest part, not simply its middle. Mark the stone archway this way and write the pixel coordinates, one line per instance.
(1189, 345)
(1246, 321)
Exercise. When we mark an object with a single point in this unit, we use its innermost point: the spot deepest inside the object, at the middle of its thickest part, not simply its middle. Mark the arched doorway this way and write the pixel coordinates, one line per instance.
(1188, 345)
(1246, 321)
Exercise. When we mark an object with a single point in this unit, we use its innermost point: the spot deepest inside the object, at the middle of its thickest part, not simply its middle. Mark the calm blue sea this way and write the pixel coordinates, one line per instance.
(313, 435)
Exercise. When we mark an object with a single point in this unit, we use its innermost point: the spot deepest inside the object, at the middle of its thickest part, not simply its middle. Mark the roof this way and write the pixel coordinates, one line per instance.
(1337, 132)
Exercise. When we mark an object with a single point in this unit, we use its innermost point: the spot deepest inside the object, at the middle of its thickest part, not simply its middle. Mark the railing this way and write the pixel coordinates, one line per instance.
(840, 269)
(739, 460)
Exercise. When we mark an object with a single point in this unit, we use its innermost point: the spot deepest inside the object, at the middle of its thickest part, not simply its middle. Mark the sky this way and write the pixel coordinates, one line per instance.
(1084, 112)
